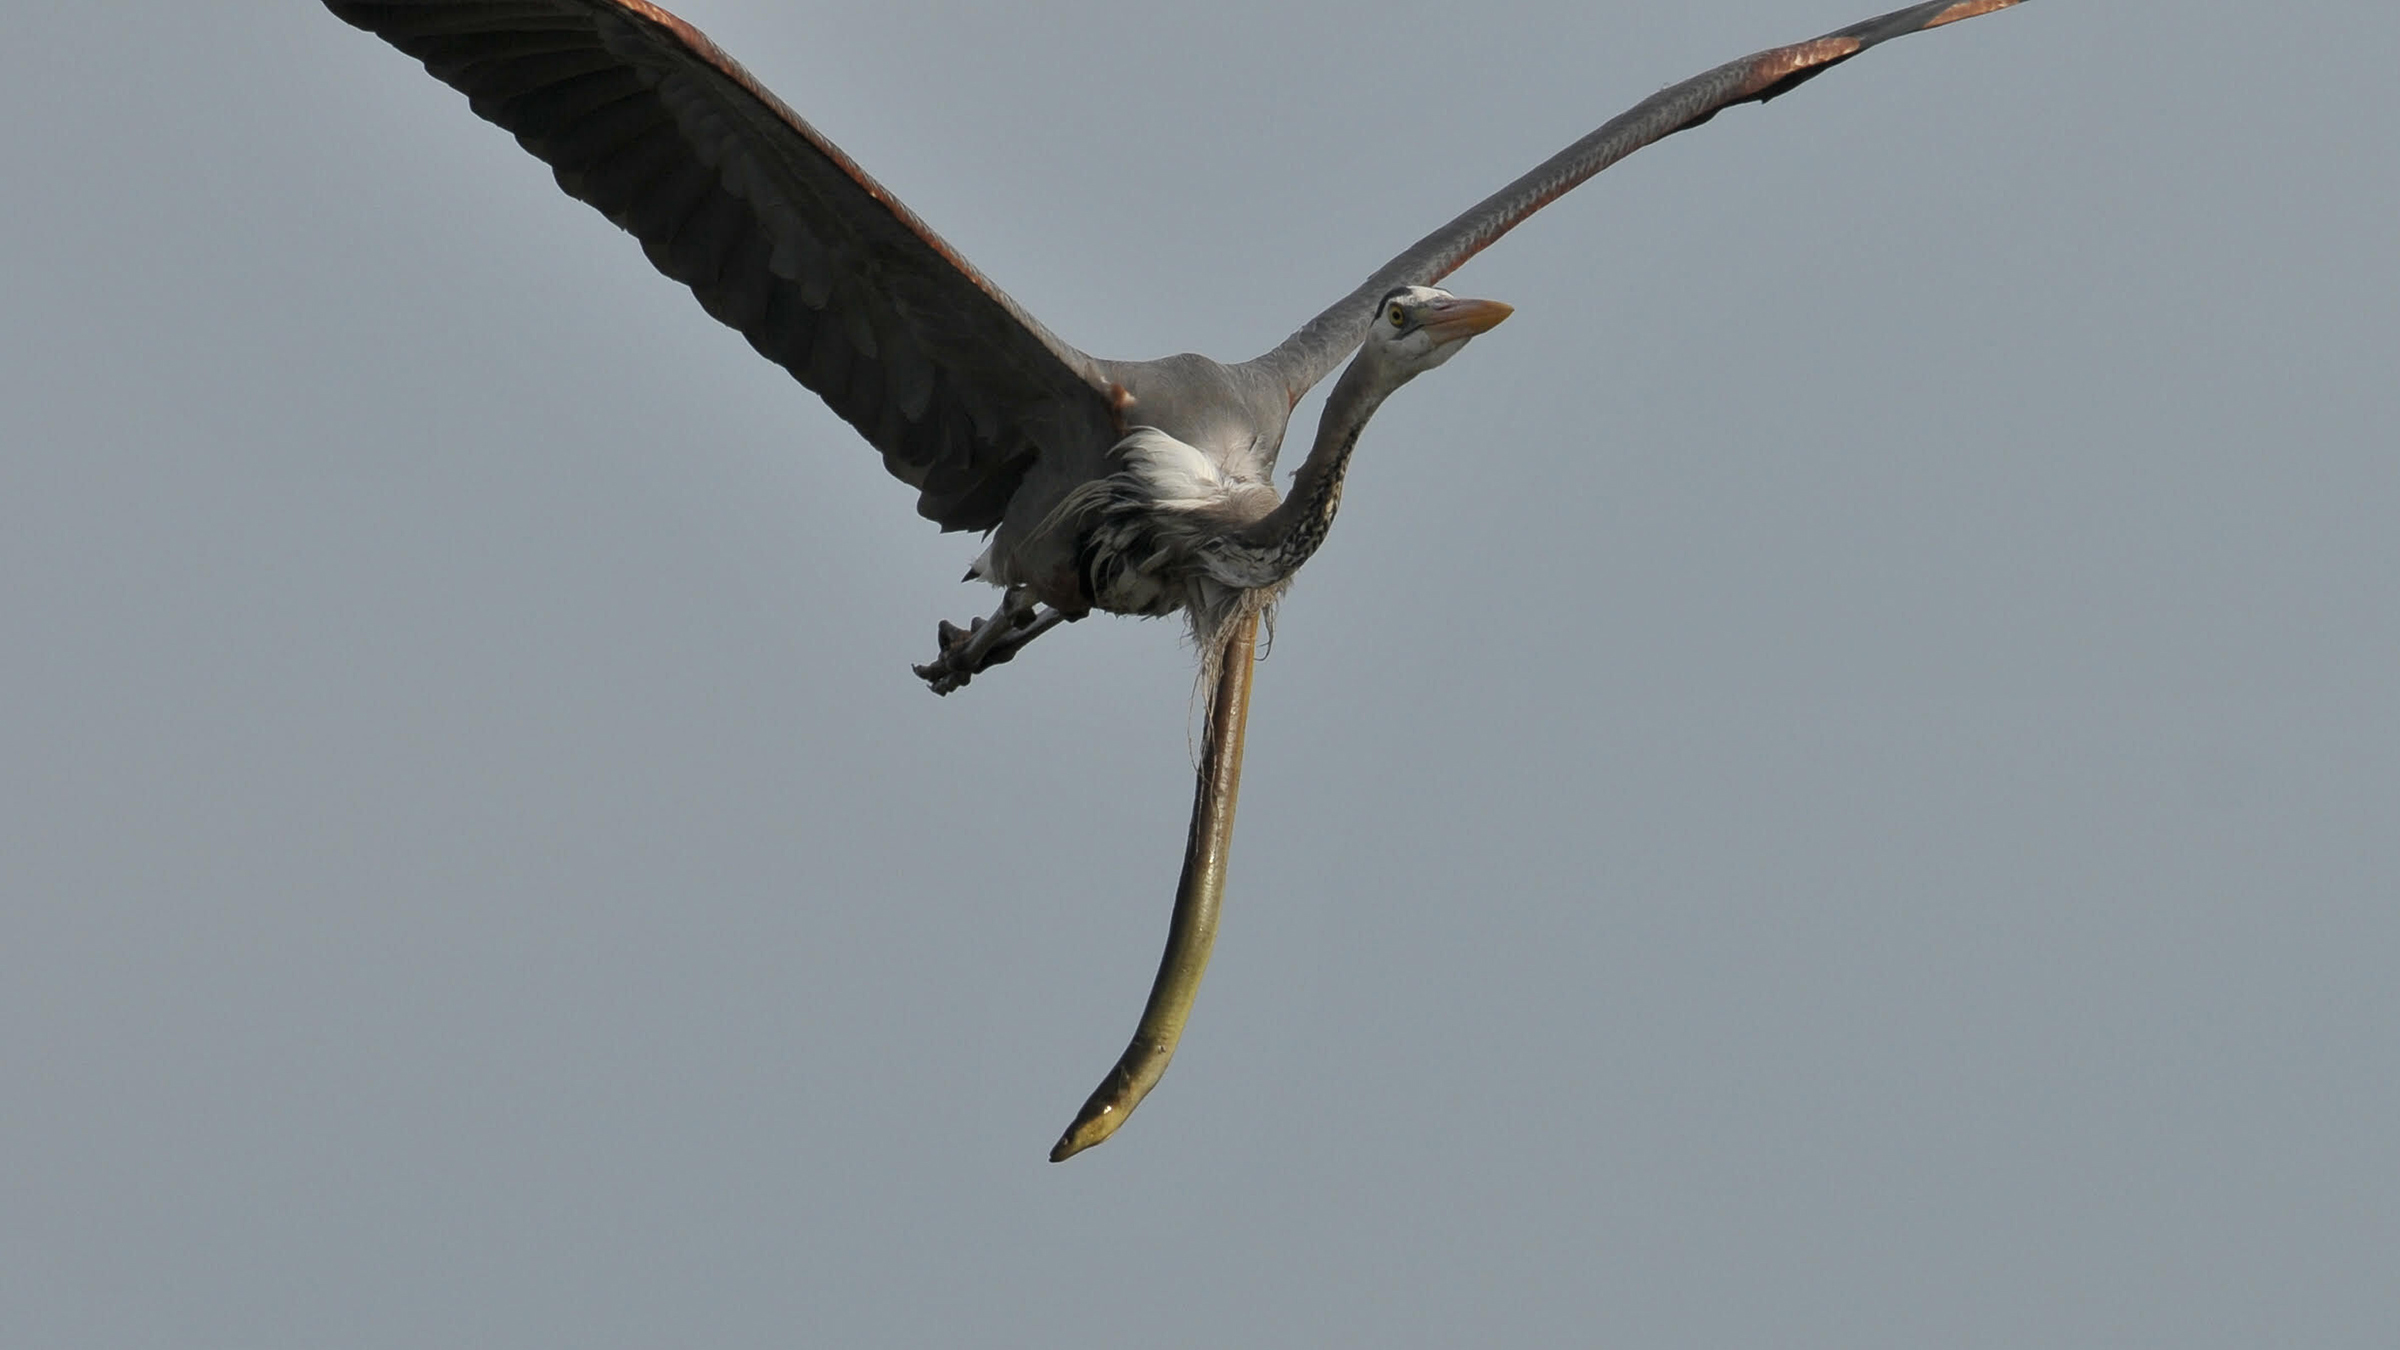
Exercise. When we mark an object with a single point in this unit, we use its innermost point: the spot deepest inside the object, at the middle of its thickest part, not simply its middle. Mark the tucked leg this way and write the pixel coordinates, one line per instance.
(966, 652)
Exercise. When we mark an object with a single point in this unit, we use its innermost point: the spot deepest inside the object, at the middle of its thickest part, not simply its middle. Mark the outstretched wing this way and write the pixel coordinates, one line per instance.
(1309, 355)
(775, 230)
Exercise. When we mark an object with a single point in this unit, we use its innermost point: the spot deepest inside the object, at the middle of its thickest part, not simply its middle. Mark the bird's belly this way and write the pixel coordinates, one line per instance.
(1125, 572)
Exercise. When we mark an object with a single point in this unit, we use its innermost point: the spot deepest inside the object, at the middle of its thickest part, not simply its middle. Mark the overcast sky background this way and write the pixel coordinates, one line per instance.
(1837, 785)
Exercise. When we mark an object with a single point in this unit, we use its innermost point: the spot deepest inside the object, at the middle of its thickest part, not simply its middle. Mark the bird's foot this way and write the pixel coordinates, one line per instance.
(968, 652)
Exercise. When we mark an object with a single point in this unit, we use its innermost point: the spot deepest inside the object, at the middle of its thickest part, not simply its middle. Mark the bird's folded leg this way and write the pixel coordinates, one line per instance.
(969, 651)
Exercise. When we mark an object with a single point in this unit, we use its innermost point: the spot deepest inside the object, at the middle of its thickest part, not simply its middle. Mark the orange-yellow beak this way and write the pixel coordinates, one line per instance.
(1453, 319)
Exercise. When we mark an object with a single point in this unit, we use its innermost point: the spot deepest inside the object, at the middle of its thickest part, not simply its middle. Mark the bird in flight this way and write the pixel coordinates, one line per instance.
(1134, 487)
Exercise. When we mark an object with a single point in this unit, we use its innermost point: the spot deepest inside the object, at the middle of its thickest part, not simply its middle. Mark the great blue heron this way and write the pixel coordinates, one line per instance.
(1138, 487)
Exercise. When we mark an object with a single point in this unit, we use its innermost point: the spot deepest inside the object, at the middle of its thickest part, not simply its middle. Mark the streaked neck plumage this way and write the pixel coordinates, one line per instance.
(1264, 555)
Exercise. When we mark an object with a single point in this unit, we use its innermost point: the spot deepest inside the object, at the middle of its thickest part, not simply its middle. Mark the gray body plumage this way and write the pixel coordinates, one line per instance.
(1070, 534)
(1187, 517)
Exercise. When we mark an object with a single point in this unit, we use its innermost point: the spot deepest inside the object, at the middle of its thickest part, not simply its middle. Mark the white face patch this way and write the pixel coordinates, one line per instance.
(1405, 348)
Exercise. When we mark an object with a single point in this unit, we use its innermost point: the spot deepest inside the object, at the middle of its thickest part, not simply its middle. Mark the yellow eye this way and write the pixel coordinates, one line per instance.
(1399, 317)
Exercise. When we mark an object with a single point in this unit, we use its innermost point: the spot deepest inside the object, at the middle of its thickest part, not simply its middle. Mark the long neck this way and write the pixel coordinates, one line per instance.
(1280, 541)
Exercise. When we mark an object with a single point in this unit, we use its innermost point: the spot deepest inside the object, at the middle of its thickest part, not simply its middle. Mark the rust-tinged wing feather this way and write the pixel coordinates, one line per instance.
(775, 230)
(1308, 355)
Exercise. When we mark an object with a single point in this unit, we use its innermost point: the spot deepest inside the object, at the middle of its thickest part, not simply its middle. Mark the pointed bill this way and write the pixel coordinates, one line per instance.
(1456, 317)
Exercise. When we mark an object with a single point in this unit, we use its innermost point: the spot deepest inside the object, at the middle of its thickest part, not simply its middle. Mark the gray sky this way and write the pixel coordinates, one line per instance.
(1836, 785)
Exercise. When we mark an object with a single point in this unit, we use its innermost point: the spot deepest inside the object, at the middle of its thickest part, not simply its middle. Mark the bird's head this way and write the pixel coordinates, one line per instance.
(1419, 327)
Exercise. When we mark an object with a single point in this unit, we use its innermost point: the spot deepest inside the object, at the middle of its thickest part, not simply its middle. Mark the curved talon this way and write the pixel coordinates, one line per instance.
(941, 679)
(1192, 932)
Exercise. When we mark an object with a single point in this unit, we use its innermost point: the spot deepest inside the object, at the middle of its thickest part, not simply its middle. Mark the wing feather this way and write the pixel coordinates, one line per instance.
(777, 232)
(1310, 354)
